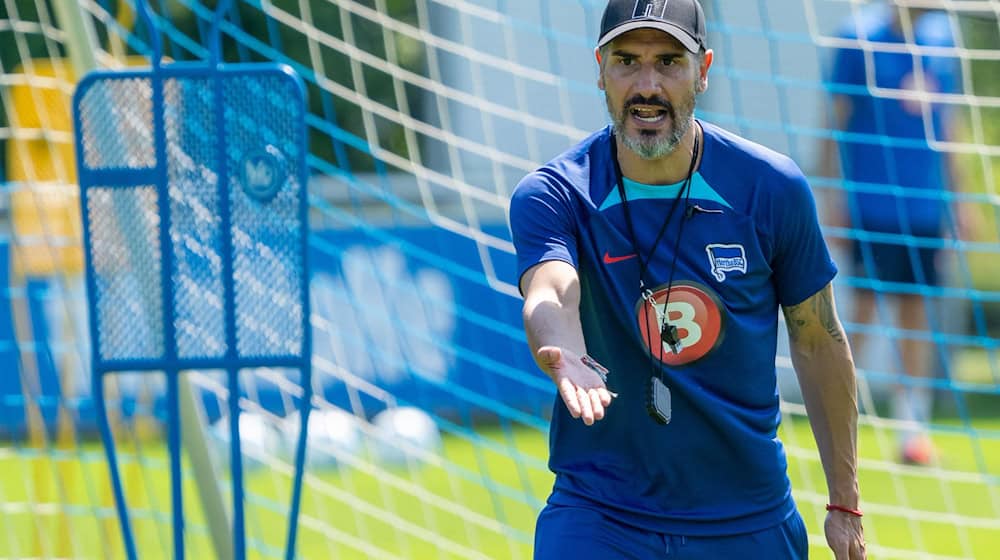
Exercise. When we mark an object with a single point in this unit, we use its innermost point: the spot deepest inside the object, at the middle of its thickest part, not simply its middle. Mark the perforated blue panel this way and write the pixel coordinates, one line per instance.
(193, 185)
(116, 120)
(196, 226)
(124, 253)
(265, 200)
(253, 135)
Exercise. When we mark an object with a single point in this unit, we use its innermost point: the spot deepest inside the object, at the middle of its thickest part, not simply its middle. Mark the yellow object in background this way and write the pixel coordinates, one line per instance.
(41, 171)
(44, 199)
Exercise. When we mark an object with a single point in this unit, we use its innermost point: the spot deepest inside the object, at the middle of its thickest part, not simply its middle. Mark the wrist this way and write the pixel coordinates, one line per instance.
(846, 495)
(843, 509)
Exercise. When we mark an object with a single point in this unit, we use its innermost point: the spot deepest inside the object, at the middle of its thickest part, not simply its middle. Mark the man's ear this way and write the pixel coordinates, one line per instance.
(703, 70)
(600, 71)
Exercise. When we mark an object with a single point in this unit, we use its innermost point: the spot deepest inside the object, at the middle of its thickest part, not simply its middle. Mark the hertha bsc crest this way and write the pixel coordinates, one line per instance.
(726, 258)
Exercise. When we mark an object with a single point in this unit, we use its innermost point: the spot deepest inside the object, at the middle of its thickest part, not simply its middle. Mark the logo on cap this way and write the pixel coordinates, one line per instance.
(684, 19)
(650, 9)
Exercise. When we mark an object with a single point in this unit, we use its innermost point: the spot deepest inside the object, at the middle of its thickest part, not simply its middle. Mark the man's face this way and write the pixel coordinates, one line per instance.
(650, 81)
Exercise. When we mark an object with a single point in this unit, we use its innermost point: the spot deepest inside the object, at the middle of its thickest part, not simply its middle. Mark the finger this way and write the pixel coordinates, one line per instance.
(586, 410)
(567, 390)
(605, 396)
(596, 404)
(550, 356)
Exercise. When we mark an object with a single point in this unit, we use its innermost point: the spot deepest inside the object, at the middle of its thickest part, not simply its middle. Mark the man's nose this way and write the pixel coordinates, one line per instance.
(649, 81)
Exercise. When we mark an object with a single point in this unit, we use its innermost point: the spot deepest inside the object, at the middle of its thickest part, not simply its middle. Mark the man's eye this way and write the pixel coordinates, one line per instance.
(668, 61)
(627, 61)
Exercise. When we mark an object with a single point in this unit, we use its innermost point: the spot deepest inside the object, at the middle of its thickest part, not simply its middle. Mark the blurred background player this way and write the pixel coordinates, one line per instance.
(894, 182)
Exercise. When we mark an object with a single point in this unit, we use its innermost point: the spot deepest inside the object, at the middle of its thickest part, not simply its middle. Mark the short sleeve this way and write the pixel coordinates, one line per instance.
(542, 223)
(802, 264)
(847, 69)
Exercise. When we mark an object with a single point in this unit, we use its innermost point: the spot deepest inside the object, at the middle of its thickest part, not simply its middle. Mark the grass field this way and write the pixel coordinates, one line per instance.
(477, 501)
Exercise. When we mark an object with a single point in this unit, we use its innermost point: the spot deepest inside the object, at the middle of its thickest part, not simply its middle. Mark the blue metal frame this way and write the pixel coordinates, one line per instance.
(170, 363)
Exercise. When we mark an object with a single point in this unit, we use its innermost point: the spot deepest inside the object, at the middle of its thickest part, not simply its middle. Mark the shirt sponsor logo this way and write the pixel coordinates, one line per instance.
(726, 258)
(697, 313)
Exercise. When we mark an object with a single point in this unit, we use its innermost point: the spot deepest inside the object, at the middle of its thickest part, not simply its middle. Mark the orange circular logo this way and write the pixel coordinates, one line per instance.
(694, 310)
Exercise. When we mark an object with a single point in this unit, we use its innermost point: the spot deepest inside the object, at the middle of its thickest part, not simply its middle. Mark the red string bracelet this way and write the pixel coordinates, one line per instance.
(835, 507)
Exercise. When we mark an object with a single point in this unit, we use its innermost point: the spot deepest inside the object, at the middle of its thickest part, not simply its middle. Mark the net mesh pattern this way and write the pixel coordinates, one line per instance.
(125, 256)
(424, 116)
(267, 260)
(195, 226)
(116, 119)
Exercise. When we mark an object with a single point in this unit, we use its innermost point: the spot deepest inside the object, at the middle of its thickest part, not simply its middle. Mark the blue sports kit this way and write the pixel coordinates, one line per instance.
(739, 240)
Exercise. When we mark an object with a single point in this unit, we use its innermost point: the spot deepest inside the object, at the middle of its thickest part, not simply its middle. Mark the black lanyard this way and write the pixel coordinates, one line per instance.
(667, 331)
(658, 396)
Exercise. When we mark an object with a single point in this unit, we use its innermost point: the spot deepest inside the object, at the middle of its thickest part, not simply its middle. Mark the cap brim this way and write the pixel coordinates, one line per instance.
(689, 42)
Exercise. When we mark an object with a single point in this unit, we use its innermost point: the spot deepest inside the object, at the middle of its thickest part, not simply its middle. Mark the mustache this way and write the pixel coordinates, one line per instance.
(654, 101)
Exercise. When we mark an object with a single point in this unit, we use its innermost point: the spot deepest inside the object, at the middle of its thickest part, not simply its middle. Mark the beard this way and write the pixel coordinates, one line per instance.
(652, 144)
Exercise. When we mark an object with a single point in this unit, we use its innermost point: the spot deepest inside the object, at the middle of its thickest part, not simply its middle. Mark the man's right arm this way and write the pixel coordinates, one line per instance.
(552, 324)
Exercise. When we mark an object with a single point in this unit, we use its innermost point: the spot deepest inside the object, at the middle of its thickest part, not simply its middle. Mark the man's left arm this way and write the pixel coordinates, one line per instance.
(825, 369)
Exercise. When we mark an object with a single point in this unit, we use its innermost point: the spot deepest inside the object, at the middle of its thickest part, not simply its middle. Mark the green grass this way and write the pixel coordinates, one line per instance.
(480, 499)
(964, 483)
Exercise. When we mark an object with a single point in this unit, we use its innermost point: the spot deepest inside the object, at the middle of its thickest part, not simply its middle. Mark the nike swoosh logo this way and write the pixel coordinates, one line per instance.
(608, 259)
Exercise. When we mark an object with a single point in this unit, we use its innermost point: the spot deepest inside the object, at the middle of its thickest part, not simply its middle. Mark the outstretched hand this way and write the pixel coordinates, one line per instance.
(845, 536)
(581, 388)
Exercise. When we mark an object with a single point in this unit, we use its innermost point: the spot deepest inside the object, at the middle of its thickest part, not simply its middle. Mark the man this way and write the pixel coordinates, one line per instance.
(654, 255)
(888, 148)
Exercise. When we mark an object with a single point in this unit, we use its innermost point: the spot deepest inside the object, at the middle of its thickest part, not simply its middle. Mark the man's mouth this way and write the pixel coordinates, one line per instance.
(647, 114)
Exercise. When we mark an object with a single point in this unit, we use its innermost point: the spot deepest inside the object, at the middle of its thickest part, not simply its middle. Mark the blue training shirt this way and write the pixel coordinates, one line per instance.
(889, 142)
(750, 242)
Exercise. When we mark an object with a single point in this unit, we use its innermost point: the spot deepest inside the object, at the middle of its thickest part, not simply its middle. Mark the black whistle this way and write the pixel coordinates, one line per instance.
(670, 335)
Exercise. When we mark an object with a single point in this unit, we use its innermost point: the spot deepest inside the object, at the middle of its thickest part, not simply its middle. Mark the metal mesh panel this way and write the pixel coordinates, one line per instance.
(195, 228)
(261, 136)
(125, 256)
(116, 118)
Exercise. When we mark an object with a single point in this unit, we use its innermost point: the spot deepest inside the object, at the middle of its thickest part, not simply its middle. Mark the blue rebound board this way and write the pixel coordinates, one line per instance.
(193, 194)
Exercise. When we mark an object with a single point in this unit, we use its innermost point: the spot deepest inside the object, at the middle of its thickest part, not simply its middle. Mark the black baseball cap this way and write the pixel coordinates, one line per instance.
(682, 19)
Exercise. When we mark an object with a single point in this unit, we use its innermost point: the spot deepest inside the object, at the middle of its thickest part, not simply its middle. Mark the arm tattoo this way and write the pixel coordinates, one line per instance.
(828, 315)
(817, 309)
(795, 319)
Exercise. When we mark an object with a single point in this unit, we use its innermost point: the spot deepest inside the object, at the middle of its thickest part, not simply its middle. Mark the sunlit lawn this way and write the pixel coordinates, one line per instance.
(479, 500)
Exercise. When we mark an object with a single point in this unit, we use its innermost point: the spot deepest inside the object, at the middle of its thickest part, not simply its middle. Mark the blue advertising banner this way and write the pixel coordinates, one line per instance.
(401, 315)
